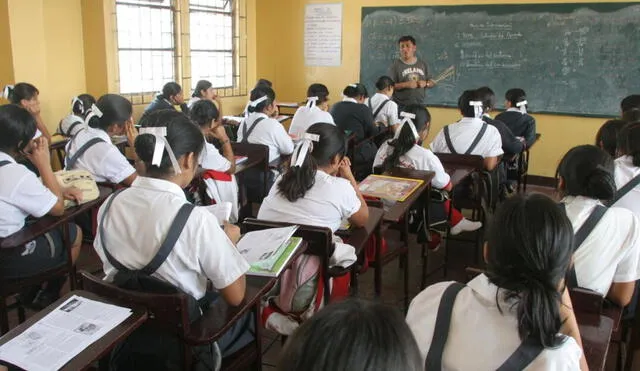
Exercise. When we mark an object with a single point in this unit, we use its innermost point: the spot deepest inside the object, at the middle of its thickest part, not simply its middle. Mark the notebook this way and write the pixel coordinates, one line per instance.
(268, 251)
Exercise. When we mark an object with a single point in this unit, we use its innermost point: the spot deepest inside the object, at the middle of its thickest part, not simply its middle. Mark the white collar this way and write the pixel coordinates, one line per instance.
(627, 161)
(486, 290)
(154, 184)
(470, 121)
(347, 99)
(513, 109)
(256, 115)
(95, 132)
(381, 95)
(5, 157)
(580, 200)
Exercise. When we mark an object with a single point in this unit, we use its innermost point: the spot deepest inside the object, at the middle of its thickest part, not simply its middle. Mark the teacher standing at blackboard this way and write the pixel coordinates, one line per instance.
(410, 74)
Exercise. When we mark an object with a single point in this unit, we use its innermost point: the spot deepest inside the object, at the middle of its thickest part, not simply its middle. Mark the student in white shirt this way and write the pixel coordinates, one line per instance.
(384, 109)
(204, 91)
(74, 122)
(406, 150)
(110, 116)
(471, 135)
(373, 337)
(133, 224)
(261, 128)
(627, 167)
(219, 169)
(315, 111)
(521, 296)
(26, 96)
(608, 261)
(22, 195)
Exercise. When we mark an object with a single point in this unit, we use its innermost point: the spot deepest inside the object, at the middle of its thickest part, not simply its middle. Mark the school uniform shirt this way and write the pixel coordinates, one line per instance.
(103, 160)
(417, 158)
(349, 115)
(388, 115)
(624, 172)
(305, 117)
(510, 144)
(220, 190)
(463, 133)
(193, 101)
(611, 252)
(73, 122)
(326, 204)
(268, 132)
(400, 71)
(521, 124)
(211, 159)
(137, 224)
(482, 336)
(21, 194)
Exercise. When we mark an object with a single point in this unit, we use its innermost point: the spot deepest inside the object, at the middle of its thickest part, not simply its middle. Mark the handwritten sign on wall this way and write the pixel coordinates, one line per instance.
(323, 34)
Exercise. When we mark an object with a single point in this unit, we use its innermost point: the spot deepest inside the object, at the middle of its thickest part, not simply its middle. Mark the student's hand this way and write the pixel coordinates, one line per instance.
(422, 84)
(219, 133)
(412, 84)
(72, 194)
(232, 231)
(431, 83)
(131, 132)
(38, 153)
(344, 170)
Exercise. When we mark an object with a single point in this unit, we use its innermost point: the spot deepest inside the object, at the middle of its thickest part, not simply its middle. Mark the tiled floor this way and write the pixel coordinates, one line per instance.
(461, 256)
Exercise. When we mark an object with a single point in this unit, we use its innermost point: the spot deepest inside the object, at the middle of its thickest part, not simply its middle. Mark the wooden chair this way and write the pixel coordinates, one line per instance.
(320, 244)
(168, 313)
(523, 167)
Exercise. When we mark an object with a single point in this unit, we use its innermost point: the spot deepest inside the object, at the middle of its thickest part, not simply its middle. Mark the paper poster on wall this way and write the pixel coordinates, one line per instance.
(323, 34)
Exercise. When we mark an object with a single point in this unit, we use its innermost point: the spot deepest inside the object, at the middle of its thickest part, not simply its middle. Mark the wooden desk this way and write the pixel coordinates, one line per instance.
(359, 237)
(98, 349)
(397, 212)
(595, 331)
(255, 157)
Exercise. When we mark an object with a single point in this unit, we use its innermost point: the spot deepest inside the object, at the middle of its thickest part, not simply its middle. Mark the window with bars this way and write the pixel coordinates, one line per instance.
(146, 44)
(212, 42)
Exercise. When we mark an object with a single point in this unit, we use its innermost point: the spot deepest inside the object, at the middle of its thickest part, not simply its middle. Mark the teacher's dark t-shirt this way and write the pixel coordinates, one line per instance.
(403, 72)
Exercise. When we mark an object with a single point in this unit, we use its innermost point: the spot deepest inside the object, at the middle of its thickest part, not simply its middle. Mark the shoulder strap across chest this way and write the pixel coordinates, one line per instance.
(167, 246)
(474, 144)
(246, 133)
(73, 159)
(625, 189)
(380, 107)
(4, 162)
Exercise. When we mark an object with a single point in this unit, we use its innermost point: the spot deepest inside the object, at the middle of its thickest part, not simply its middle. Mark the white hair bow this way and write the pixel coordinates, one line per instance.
(312, 102)
(523, 106)
(161, 143)
(355, 86)
(254, 103)
(93, 111)
(407, 119)
(7, 91)
(76, 100)
(303, 148)
(478, 111)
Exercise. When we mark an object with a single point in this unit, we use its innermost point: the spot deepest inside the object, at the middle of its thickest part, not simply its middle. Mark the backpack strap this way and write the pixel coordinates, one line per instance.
(4, 162)
(380, 107)
(581, 235)
(477, 139)
(71, 161)
(447, 138)
(441, 329)
(625, 189)
(528, 350)
(246, 133)
(369, 104)
(167, 246)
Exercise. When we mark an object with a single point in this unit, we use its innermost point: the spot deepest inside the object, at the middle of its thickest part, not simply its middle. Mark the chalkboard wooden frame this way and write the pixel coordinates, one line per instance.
(496, 9)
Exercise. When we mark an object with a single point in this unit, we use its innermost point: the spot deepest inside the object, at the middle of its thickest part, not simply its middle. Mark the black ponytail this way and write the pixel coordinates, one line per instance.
(464, 101)
(488, 98)
(355, 91)
(588, 171)
(529, 251)
(17, 128)
(296, 181)
(183, 136)
(401, 145)
(629, 141)
(21, 91)
(515, 96)
(259, 92)
(115, 109)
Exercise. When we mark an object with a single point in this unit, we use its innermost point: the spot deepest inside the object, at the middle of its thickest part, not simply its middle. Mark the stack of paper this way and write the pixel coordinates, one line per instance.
(269, 250)
(62, 334)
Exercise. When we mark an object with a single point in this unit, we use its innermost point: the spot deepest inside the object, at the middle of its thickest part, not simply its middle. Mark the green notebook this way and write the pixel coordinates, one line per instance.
(286, 251)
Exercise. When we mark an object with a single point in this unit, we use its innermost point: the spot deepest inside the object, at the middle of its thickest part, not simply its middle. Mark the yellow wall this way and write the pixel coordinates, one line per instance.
(282, 29)
(47, 51)
(6, 61)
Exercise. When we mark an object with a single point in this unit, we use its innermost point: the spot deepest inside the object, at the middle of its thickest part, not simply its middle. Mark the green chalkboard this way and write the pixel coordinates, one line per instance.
(578, 59)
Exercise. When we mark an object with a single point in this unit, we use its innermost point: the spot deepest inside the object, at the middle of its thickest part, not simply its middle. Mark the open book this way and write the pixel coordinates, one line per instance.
(268, 251)
(389, 187)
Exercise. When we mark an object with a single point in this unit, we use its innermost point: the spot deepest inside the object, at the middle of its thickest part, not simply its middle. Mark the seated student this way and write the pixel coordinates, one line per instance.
(384, 109)
(372, 337)
(261, 128)
(353, 116)
(607, 136)
(134, 223)
(631, 102)
(22, 195)
(92, 150)
(516, 117)
(511, 145)
(203, 90)
(608, 260)
(170, 97)
(26, 96)
(627, 169)
(74, 122)
(219, 169)
(406, 150)
(471, 135)
(262, 83)
(313, 112)
(521, 297)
